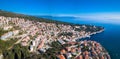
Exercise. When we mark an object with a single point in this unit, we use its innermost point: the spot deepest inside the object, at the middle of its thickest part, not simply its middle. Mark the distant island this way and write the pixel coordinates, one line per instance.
(29, 37)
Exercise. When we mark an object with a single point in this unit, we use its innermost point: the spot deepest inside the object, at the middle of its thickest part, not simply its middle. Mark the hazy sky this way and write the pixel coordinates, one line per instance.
(105, 10)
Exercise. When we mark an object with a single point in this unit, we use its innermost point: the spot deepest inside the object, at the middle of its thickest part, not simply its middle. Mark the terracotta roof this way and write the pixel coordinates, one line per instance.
(63, 51)
(61, 57)
(80, 57)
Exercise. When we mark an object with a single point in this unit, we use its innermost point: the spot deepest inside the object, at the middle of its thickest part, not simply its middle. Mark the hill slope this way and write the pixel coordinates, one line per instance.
(11, 14)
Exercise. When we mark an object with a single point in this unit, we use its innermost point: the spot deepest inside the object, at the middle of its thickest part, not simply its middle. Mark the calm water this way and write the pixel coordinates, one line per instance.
(109, 39)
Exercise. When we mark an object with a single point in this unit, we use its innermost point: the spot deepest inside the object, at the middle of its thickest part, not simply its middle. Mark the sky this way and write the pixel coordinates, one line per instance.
(38, 7)
(90, 9)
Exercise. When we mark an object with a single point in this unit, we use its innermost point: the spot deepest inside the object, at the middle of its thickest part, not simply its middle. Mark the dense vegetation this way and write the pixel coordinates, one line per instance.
(16, 52)
(22, 52)
(2, 31)
(4, 45)
(49, 54)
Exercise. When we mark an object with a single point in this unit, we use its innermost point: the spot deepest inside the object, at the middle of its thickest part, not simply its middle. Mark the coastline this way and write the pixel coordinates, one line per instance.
(78, 38)
(94, 34)
(107, 53)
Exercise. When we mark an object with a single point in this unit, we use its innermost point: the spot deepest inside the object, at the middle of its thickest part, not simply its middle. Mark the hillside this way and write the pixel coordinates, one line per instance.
(12, 14)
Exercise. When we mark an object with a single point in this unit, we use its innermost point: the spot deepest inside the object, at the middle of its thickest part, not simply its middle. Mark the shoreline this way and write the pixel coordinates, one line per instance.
(89, 35)
(107, 53)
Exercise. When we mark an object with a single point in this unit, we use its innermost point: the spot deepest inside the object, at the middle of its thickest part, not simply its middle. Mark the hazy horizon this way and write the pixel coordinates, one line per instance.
(107, 11)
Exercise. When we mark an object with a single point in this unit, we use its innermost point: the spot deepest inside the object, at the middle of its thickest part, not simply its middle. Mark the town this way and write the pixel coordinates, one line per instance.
(83, 50)
(39, 35)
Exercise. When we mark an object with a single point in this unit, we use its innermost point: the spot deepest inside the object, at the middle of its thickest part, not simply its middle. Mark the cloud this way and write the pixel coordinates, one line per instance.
(99, 17)
(103, 17)
(64, 15)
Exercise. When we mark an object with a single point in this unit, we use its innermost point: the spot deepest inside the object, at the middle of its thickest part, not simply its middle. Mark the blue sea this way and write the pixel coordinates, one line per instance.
(109, 39)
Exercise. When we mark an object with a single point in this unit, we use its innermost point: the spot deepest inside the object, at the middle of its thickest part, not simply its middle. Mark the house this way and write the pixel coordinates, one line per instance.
(80, 57)
(16, 32)
(61, 41)
(41, 44)
(31, 48)
(7, 27)
(42, 50)
(61, 56)
(25, 41)
(6, 35)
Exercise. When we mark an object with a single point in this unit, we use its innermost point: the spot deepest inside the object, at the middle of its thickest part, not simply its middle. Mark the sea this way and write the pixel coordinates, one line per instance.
(109, 38)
